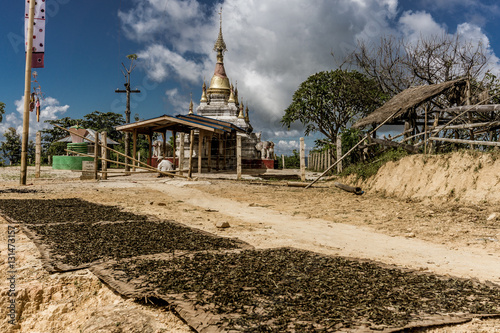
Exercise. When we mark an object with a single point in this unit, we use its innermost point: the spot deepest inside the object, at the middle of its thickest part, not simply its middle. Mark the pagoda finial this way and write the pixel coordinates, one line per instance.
(247, 118)
(220, 45)
(241, 115)
(191, 105)
(231, 95)
(204, 98)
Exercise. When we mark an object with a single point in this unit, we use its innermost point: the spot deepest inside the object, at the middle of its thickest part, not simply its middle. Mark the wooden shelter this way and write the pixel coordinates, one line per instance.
(216, 138)
(405, 101)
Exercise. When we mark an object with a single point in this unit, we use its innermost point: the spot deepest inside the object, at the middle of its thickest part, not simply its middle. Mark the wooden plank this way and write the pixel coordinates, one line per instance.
(302, 160)
(238, 157)
(475, 142)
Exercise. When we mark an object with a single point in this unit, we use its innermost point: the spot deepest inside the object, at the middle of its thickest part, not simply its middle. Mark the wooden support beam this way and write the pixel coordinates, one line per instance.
(470, 142)
(191, 146)
(181, 151)
(200, 150)
(174, 148)
(238, 157)
(134, 147)
(209, 152)
(96, 156)
(302, 160)
(104, 154)
(38, 154)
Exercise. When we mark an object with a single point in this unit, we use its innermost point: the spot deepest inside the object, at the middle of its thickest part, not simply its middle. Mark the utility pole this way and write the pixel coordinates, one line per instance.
(127, 90)
(27, 88)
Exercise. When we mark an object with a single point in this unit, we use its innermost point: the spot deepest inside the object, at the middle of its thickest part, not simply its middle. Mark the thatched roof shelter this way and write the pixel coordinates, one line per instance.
(406, 100)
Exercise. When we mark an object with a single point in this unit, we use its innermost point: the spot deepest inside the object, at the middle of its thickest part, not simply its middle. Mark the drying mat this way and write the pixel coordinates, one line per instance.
(72, 246)
(41, 211)
(291, 290)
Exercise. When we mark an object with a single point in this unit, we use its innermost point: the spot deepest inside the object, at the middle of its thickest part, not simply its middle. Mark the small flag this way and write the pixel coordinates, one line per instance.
(38, 32)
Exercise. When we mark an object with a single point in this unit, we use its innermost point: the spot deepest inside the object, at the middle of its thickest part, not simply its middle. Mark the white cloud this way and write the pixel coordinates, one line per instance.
(50, 110)
(273, 46)
(415, 25)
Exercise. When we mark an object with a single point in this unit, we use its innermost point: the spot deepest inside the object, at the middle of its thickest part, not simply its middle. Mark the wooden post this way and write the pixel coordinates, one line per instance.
(200, 150)
(104, 154)
(302, 160)
(191, 146)
(96, 156)
(27, 88)
(134, 148)
(282, 161)
(329, 158)
(117, 160)
(238, 157)
(150, 149)
(138, 158)
(224, 147)
(309, 160)
(209, 152)
(181, 152)
(38, 153)
(339, 154)
(174, 148)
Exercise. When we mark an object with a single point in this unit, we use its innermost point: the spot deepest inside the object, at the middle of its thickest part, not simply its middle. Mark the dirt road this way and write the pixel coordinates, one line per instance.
(448, 238)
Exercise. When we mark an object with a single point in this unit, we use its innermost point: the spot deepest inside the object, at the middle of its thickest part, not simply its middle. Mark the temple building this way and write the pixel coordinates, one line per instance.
(221, 102)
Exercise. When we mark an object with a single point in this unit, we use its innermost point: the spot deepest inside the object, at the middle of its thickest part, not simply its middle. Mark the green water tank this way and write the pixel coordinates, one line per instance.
(78, 147)
(69, 162)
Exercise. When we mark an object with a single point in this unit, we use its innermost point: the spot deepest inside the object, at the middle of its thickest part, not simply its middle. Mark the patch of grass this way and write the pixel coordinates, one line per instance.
(364, 170)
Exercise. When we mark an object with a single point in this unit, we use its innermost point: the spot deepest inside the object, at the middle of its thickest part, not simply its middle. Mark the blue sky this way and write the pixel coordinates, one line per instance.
(272, 47)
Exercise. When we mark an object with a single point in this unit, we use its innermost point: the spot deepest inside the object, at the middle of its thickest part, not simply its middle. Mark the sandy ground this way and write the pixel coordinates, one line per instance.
(434, 233)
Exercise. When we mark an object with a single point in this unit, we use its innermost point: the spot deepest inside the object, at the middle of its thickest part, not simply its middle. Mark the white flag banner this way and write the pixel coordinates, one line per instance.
(38, 31)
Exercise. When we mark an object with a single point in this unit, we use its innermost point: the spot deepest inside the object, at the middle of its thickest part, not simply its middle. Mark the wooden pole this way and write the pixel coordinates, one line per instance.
(181, 152)
(470, 142)
(174, 148)
(209, 152)
(134, 149)
(38, 153)
(339, 154)
(104, 154)
(282, 161)
(238, 157)
(27, 89)
(96, 156)
(200, 150)
(150, 149)
(191, 146)
(302, 160)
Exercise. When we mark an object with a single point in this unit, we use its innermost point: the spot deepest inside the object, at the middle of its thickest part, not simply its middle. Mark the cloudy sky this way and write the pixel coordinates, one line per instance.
(273, 46)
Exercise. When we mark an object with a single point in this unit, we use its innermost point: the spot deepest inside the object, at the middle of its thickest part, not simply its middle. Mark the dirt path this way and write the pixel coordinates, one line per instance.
(343, 239)
(443, 237)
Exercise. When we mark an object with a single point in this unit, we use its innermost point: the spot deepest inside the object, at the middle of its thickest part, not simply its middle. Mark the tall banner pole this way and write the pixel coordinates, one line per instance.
(27, 89)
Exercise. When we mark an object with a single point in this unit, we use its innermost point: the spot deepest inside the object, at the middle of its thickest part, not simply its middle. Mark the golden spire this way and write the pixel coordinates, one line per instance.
(236, 94)
(191, 105)
(220, 45)
(204, 93)
(231, 95)
(241, 116)
(220, 82)
(247, 118)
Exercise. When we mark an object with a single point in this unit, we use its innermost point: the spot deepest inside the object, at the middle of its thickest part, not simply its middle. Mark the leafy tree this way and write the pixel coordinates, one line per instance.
(327, 102)
(100, 121)
(2, 111)
(50, 136)
(11, 147)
